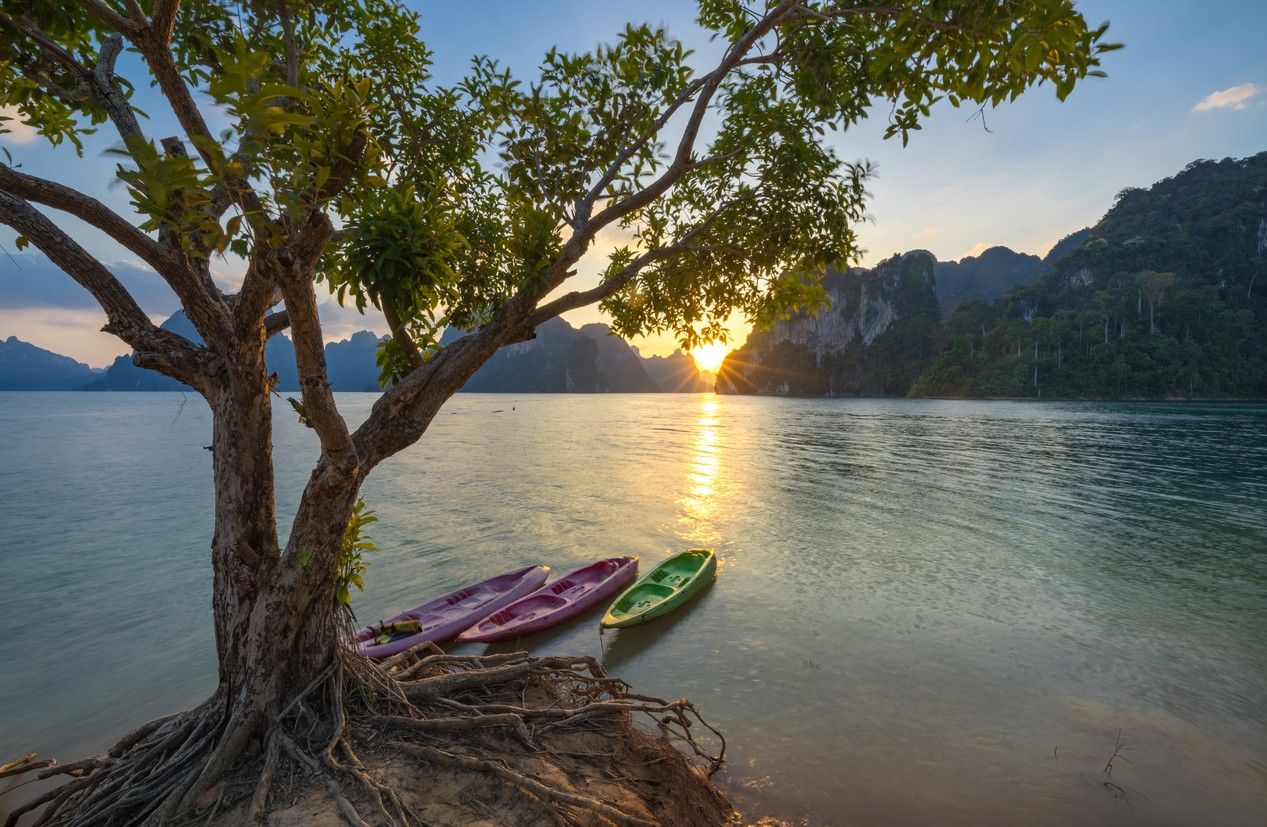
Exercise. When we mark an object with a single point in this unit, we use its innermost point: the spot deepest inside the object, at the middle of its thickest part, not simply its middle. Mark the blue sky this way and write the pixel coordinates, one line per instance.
(1044, 169)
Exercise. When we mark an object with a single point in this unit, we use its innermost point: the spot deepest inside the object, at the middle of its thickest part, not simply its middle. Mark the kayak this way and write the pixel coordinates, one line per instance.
(443, 618)
(666, 587)
(562, 600)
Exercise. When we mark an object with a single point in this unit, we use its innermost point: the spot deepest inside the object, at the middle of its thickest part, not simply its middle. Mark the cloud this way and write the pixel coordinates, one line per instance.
(1233, 98)
(338, 322)
(977, 249)
(18, 130)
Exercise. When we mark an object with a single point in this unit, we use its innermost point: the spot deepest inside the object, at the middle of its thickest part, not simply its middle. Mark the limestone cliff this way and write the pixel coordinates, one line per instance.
(878, 330)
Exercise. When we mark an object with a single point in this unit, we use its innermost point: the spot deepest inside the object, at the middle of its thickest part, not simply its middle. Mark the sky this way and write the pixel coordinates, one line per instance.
(1191, 83)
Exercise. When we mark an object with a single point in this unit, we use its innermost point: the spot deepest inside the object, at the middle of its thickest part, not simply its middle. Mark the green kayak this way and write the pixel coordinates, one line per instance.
(663, 589)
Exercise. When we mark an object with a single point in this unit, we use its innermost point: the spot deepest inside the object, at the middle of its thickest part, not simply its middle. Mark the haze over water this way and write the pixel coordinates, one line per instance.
(926, 612)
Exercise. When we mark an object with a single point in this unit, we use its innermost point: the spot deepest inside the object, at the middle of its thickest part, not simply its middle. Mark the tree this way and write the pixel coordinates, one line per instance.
(468, 205)
(1153, 286)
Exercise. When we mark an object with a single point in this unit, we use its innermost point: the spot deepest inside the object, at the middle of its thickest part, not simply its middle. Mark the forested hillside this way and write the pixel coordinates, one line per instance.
(1168, 298)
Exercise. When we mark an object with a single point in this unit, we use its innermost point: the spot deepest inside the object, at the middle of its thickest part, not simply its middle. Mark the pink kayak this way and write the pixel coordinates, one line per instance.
(562, 600)
(444, 617)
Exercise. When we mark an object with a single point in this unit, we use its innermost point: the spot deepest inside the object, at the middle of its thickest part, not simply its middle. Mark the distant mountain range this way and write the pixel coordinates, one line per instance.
(996, 270)
(561, 359)
(25, 367)
(1165, 297)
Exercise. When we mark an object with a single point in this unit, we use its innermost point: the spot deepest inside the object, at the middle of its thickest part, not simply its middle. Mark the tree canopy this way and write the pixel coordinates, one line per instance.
(455, 198)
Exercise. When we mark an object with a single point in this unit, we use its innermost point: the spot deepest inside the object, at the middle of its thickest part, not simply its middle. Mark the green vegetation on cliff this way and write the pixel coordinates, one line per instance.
(874, 337)
(1168, 298)
(1165, 297)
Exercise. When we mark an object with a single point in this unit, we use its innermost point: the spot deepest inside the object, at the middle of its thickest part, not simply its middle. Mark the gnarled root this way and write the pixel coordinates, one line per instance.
(357, 736)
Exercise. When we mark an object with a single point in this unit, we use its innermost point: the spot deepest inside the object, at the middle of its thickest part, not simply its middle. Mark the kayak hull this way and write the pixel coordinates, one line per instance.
(674, 582)
(445, 617)
(568, 597)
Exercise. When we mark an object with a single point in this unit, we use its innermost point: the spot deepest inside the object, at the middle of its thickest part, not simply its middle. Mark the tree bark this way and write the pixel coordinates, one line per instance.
(276, 623)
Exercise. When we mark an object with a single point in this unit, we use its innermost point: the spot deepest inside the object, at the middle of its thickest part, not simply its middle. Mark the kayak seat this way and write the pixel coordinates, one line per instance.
(459, 596)
(526, 609)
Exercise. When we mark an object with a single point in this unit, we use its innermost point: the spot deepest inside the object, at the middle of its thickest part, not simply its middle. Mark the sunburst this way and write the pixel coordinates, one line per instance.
(709, 357)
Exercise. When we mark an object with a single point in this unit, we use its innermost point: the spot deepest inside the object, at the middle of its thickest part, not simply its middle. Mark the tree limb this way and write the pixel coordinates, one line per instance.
(292, 51)
(404, 412)
(164, 18)
(295, 262)
(87, 209)
(158, 57)
(110, 16)
(401, 335)
(138, 13)
(585, 228)
(275, 323)
(166, 351)
(96, 82)
(681, 163)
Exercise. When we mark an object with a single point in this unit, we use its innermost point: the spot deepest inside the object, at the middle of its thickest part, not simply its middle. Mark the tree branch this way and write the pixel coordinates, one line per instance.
(401, 335)
(292, 51)
(138, 13)
(585, 228)
(165, 351)
(404, 412)
(275, 323)
(295, 264)
(164, 19)
(626, 274)
(96, 82)
(681, 163)
(106, 91)
(110, 16)
(85, 208)
(158, 57)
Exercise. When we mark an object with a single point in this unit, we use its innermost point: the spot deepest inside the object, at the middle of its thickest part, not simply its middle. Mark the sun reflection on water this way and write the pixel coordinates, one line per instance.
(698, 501)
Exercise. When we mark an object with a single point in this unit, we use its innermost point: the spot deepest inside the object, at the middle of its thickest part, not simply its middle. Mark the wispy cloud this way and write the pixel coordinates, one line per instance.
(15, 130)
(1234, 98)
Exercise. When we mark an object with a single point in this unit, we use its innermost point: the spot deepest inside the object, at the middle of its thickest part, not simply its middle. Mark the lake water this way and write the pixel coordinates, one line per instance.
(925, 613)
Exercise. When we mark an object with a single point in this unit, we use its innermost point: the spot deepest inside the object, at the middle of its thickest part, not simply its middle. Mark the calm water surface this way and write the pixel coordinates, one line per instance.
(926, 612)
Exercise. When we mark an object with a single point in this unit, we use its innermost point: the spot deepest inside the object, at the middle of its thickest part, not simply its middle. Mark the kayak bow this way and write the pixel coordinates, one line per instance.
(663, 589)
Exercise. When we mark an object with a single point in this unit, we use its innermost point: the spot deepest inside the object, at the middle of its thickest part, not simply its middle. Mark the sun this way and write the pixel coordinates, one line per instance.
(709, 357)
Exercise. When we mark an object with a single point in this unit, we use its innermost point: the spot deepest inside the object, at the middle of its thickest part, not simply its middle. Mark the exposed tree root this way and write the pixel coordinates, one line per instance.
(558, 730)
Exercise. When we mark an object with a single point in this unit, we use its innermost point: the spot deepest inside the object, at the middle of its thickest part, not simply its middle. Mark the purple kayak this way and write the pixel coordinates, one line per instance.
(444, 617)
(562, 600)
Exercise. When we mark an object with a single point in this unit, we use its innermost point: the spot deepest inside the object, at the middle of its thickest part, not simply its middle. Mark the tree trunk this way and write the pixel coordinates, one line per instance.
(276, 620)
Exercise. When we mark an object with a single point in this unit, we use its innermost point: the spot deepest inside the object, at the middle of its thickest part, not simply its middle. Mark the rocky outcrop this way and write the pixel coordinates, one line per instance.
(878, 330)
(351, 362)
